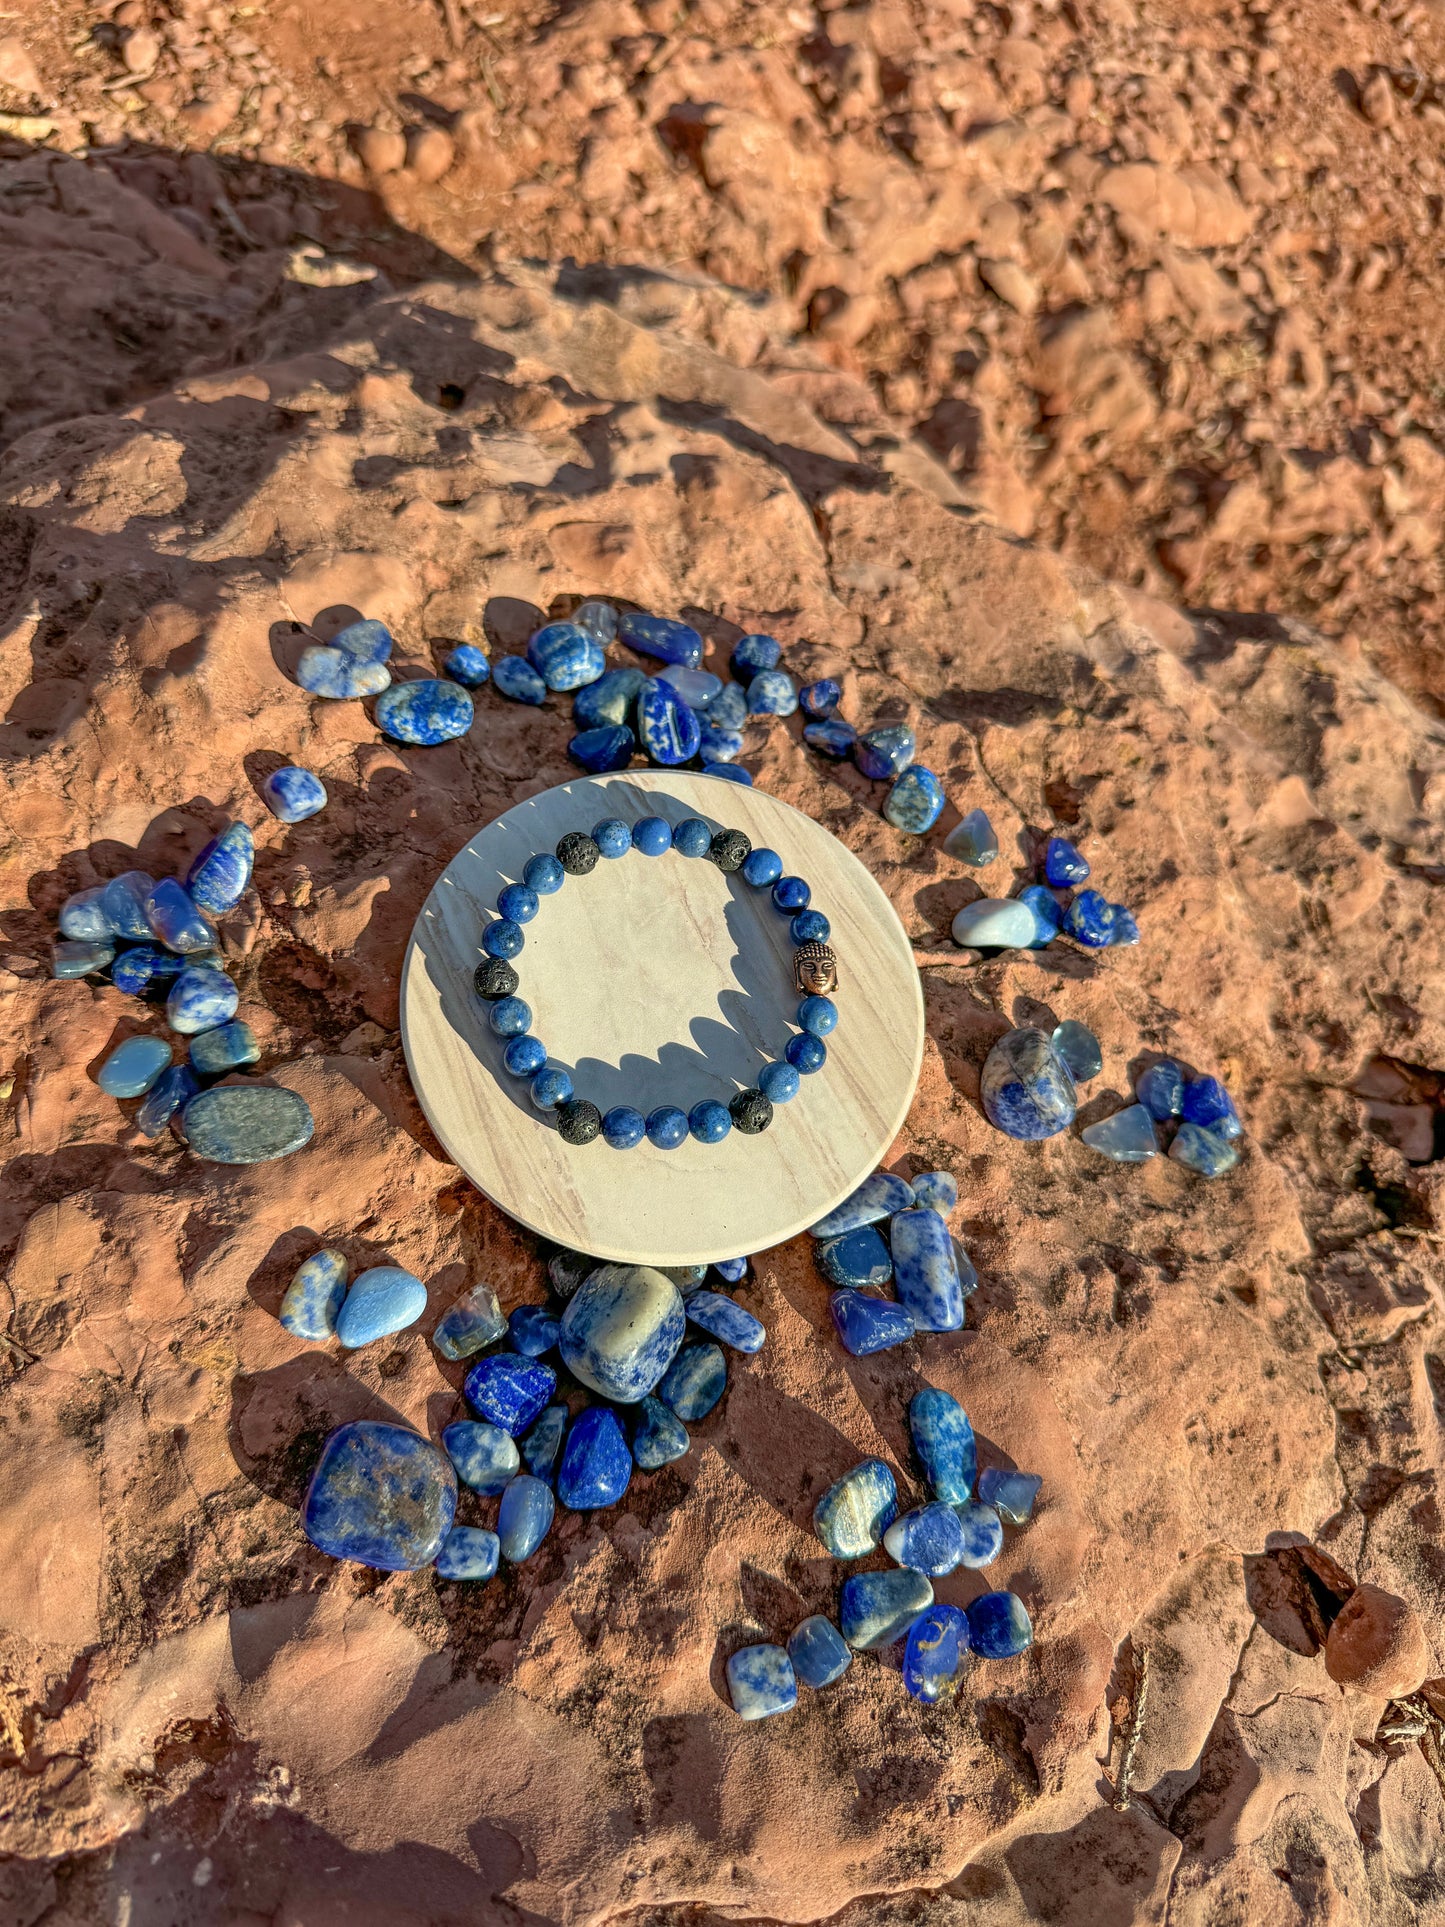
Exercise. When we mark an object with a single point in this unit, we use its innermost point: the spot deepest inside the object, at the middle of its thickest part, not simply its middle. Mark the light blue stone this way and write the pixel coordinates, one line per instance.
(136, 969)
(613, 837)
(201, 998)
(761, 868)
(467, 665)
(652, 835)
(915, 801)
(246, 1123)
(1127, 1136)
(752, 654)
(383, 1300)
(292, 794)
(596, 1466)
(83, 919)
(720, 1318)
(667, 1127)
(806, 1053)
(999, 1626)
(470, 1325)
(621, 1331)
(925, 1270)
(944, 1442)
(1126, 928)
(772, 692)
(609, 700)
(123, 900)
(857, 1260)
(1063, 865)
(170, 1093)
(779, 1083)
(696, 687)
(313, 1298)
(995, 923)
(77, 958)
(1090, 919)
(524, 1517)
(866, 1324)
(928, 1539)
(484, 1455)
(381, 1495)
(885, 753)
(934, 1656)
(731, 1270)
(544, 874)
(367, 640)
(1208, 1104)
(819, 1015)
(226, 1048)
(661, 637)
(542, 1442)
(667, 729)
(338, 675)
(623, 1127)
(217, 879)
(728, 709)
(598, 618)
(426, 711)
(550, 1089)
(879, 1196)
(937, 1189)
(833, 737)
(533, 1331)
(1047, 914)
(1079, 1048)
(692, 837)
(516, 679)
(510, 1017)
(133, 1066)
(982, 1535)
(729, 773)
(819, 1652)
(176, 920)
(1203, 1151)
(972, 840)
(719, 745)
(1161, 1090)
(856, 1510)
(1026, 1088)
(566, 656)
(761, 1682)
(709, 1121)
(820, 699)
(509, 1390)
(658, 1437)
(877, 1608)
(694, 1381)
(525, 1056)
(600, 751)
(1011, 1494)
(469, 1552)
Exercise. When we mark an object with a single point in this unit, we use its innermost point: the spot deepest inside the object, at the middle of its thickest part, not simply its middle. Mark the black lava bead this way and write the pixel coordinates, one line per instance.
(730, 851)
(495, 978)
(577, 853)
(751, 1111)
(579, 1122)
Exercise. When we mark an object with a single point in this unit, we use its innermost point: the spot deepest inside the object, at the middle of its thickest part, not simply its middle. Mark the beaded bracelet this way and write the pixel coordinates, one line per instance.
(815, 974)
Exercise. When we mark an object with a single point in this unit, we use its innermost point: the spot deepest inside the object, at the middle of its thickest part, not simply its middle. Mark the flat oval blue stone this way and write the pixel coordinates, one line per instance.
(226, 1048)
(884, 753)
(820, 699)
(1046, 912)
(201, 997)
(367, 640)
(928, 1539)
(915, 801)
(381, 1495)
(878, 1196)
(136, 969)
(819, 1652)
(1063, 865)
(170, 1093)
(729, 772)
(661, 637)
(995, 923)
(313, 1297)
(696, 687)
(542, 1441)
(925, 1269)
(609, 700)
(1127, 1136)
(470, 1325)
(720, 1318)
(383, 1300)
(731, 1270)
(292, 794)
(694, 1381)
(596, 1466)
(833, 738)
(176, 920)
(752, 654)
(1011, 1494)
(598, 618)
(621, 1331)
(1079, 1048)
(772, 692)
(123, 900)
(1207, 1104)
(217, 879)
(667, 729)
(83, 919)
(600, 750)
(1160, 1089)
(467, 665)
(729, 708)
(856, 1510)
(866, 1324)
(509, 1390)
(933, 1658)
(532, 1330)
(761, 1682)
(338, 675)
(470, 1552)
(80, 957)
(566, 656)
(937, 1189)
(877, 1608)
(133, 1066)
(246, 1123)
(1026, 1088)
(1090, 919)
(1203, 1151)
(485, 1456)
(719, 745)
(944, 1442)
(982, 1535)
(857, 1259)
(524, 1517)
(972, 840)
(427, 711)
(516, 679)
(659, 1436)
(999, 1626)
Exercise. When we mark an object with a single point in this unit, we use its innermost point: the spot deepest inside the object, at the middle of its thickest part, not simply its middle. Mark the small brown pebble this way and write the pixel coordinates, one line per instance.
(1377, 100)
(18, 71)
(429, 153)
(1377, 1645)
(205, 117)
(141, 51)
(379, 150)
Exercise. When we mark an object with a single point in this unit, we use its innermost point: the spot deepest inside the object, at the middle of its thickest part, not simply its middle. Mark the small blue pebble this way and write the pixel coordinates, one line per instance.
(833, 738)
(1161, 1090)
(696, 687)
(856, 1510)
(123, 900)
(596, 1465)
(937, 1189)
(365, 641)
(292, 794)
(915, 801)
(719, 745)
(779, 1082)
(170, 1093)
(659, 1437)
(866, 1324)
(218, 877)
(999, 1626)
(925, 1269)
(972, 840)
(1090, 920)
(82, 918)
(731, 1270)
(542, 1442)
(818, 1651)
(729, 772)
(201, 997)
(516, 679)
(598, 619)
(524, 1517)
(383, 1300)
(668, 731)
(176, 920)
(226, 1048)
(884, 753)
(982, 1535)
(133, 1066)
(1011, 1494)
(469, 1552)
(1079, 1048)
(1026, 1088)
(246, 1123)
(136, 969)
(467, 665)
(1047, 913)
(877, 1608)
(600, 751)
(1208, 1104)
(772, 692)
(1126, 1136)
(878, 1196)
(427, 711)
(566, 656)
(314, 1297)
(729, 1323)
(694, 1381)
(608, 700)
(1204, 1151)
(659, 636)
(667, 1127)
(484, 1455)
(729, 709)
(532, 1330)
(943, 1439)
(754, 654)
(1126, 927)
(761, 1682)
(509, 1390)
(934, 1656)
(820, 699)
(692, 837)
(623, 1127)
(859, 1260)
(470, 1325)
(381, 1495)
(1063, 864)
(338, 675)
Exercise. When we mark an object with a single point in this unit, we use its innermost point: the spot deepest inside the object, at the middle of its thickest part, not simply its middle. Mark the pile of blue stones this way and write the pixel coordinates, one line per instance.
(961, 1526)
(892, 1232)
(1053, 907)
(384, 1496)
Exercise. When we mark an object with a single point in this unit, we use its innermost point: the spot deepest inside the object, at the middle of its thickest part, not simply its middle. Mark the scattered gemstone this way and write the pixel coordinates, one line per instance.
(819, 699)
(754, 654)
(866, 1324)
(1011, 1494)
(176, 920)
(761, 1682)
(1063, 865)
(1203, 1151)
(884, 753)
(658, 636)
(470, 1325)
(915, 801)
(1127, 1136)
(694, 1381)
(509, 1390)
(1026, 1088)
(484, 1455)
(516, 679)
(566, 656)
(201, 998)
(170, 1093)
(877, 1608)
(819, 1652)
(944, 1442)
(696, 687)
(383, 1300)
(667, 729)
(858, 1259)
(524, 1517)
(1047, 913)
(83, 919)
(658, 1437)
(292, 794)
(467, 665)
(719, 745)
(123, 900)
(340, 675)
(1079, 1048)
(1126, 927)
(879, 1196)
(925, 1270)
(246, 1123)
(217, 879)
(1161, 1090)
(973, 840)
(833, 737)
(928, 1539)
(621, 1331)
(731, 1270)
(80, 959)
(624, 1127)
(995, 923)
(720, 1318)
(937, 1189)
(136, 969)
(982, 1535)
(602, 750)
(999, 1625)
(779, 1083)
(856, 1510)
(313, 1298)
(532, 1331)
(133, 1066)
(367, 640)
(596, 1466)
(1089, 920)
(470, 1552)
(542, 1442)
(427, 711)
(729, 709)
(598, 618)
(1208, 1104)
(226, 1048)
(381, 1495)
(934, 1655)
(772, 692)
(609, 700)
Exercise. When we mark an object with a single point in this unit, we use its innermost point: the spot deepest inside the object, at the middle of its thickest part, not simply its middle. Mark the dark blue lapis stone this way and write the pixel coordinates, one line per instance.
(542, 1442)
(720, 1318)
(884, 753)
(613, 837)
(944, 1442)
(754, 654)
(381, 1495)
(982, 1535)
(761, 1682)
(624, 1127)
(833, 737)
(136, 969)
(82, 918)
(246, 1123)
(810, 926)
(176, 920)
(1011, 1494)
(1207, 1104)
(337, 674)
(484, 1456)
(999, 1625)
(857, 1259)
(709, 1121)
(226, 1048)
(509, 1390)
(598, 619)
(927, 1539)
(217, 879)
(667, 1127)
(772, 692)
(818, 1651)
(1090, 920)
(1079, 1048)
(729, 708)
(428, 711)
(1127, 1136)
(1063, 865)
(201, 997)
(1048, 914)
(806, 1053)
(658, 636)
(123, 900)
(470, 1552)
(692, 837)
(596, 1467)
(659, 1437)
(866, 1324)
(667, 729)
(779, 1083)
(170, 1093)
(925, 1269)
(761, 868)
(532, 1330)
(791, 894)
(973, 840)
(915, 801)
(856, 1510)
(566, 656)
(696, 687)
(694, 1381)
(1203, 1151)
(609, 700)
(524, 1516)
(467, 665)
(366, 641)
(878, 1196)
(934, 1656)
(729, 772)
(601, 750)
(1026, 1088)
(292, 794)
(133, 1066)
(820, 699)
(516, 679)
(544, 874)
(719, 745)
(877, 1608)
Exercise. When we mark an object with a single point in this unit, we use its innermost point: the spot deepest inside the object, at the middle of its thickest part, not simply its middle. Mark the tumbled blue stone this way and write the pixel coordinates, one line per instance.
(720, 1318)
(1161, 1090)
(1011, 1494)
(856, 1510)
(246, 1123)
(469, 1552)
(1089, 920)
(83, 919)
(999, 1626)
(779, 1083)
(469, 1325)
(1126, 928)
(944, 1442)
(879, 1196)
(170, 1093)
(503, 938)
(719, 745)
(217, 879)
(651, 835)
(934, 1655)
(313, 1298)
(1127, 1136)
(659, 1437)
(533, 1331)
(509, 1390)
(566, 656)
(661, 637)
(754, 654)
(687, 1278)
(609, 700)
(621, 1330)
(692, 837)
(731, 1270)
(761, 1682)
(729, 708)
(1026, 1088)
(667, 729)
(866, 1324)
(550, 1089)
(383, 1300)
(925, 1269)
(381, 1495)
(426, 711)
(516, 679)
(542, 1441)
(884, 753)
(915, 801)
(133, 1066)
(928, 1539)
(876, 1608)
(367, 640)
(809, 926)
(80, 958)
(667, 1127)
(484, 1455)
(1063, 864)
(176, 920)
(858, 1259)
(136, 969)
(510, 1017)
(613, 837)
(598, 618)
(123, 900)
(729, 773)
(524, 1517)
(292, 794)
(1047, 913)
(339, 675)
(1079, 1048)
(226, 1048)
(201, 997)
(819, 699)
(833, 737)
(994, 923)
(709, 1121)
(467, 665)
(694, 1381)
(623, 1127)
(1203, 1151)
(973, 840)
(982, 1535)
(596, 1466)
(818, 1651)
(772, 692)
(806, 1053)
(1208, 1104)
(937, 1189)
(696, 687)
(818, 1015)
(601, 750)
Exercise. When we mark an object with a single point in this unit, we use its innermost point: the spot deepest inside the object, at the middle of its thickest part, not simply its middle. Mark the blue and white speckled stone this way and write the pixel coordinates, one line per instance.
(123, 900)
(719, 745)
(429, 710)
(819, 1652)
(1127, 1136)
(934, 1656)
(761, 1682)
(338, 675)
(366, 641)
(866, 1324)
(133, 1066)
(878, 1196)
(731, 1270)
(143, 964)
(1026, 1088)
(820, 699)
(83, 918)
(856, 1510)
(485, 1456)
(995, 923)
(201, 998)
(696, 687)
(176, 920)
(510, 1017)
(772, 692)
(999, 1626)
(857, 1260)
(729, 1323)
(779, 1082)
(1161, 1090)
(694, 1381)
(982, 1535)
(1063, 865)
(832, 737)
(667, 729)
(925, 1269)
(661, 637)
(226, 1048)
(509, 1390)
(383, 1300)
(566, 656)
(613, 837)
(470, 1552)
(882, 754)
(877, 1608)
(1206, 1152)
(1208, 1104)
(937, 1189)
(1011, 1494)
(1047, 913)
(754, 654)
(532, 1331)
(292, 794)
(973, 840)
(71, 958)
(470, 1325)
(601, 750)
(944, 1442)
(729, 708)
(313, 1298)
(381, 1495)
(659, 1437)
(609, 700)
(467, 665)
(621, 1331)
(247, 1123)
(915, 801)
(217, 879)
(524, 1517)
(170, 1093)
(598, 618)
(542, 1441)
(516, 679)
(927, 1539)
(596, 1465)
(1090, 920)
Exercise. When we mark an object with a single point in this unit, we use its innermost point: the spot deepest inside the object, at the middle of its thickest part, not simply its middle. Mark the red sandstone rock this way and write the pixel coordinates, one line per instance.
(1377, 1645)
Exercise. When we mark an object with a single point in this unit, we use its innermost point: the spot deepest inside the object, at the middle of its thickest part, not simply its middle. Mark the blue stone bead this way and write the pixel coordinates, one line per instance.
(659, 1437)
(484, 1455)
(1126, 929)
(426, 711)
(667, 729)
(809, 926)
(544, 874)
(503, 938)
(516, 679)
(866, 1324)
(1047, 912)
(472, 1323)
(660, 637)
(533, 1331)
(651, 835)
(857, 1260)
(596, 1466)
(928, 1539)
(729, 1323)
(566, 656)
(791, 894)
(510, 1017)
(666, 1127)
(878, 1196)
(925, 1270)
(467, 665)
(83, 919)
(524, 1517)
(550, 1089)
(772, 692)
(982, 1535)
(509, 1390)
(292, 794)
(833, 738)
(525, 1055)
(719, 745)
(696, 687)
(884, 753)
(935, 1653)
(731, 1270)
(728, 709)
(820, 699)
(600, 751)
(729, 772)
(1207, 1104)
(709, 1121)
(877, 1608)
(1089, 920)
(856, 1510)
(383, 1300)
(1079, 1048)
(201, 997)
(123, 900)
(621, 1331)
(133, 1066)
(1127, 1136)
(612, 837)
(381, 1495)
(598, 618)
(469, 1552)
(1063, 865)
(226, 1048)
(761, 1682)
(314, 1297)
(972, 840)
(1160, 1090)
(779, 1083)
(609, 701)
(217, 879)
(818, 1651)
(761, 868)
(818, 1015)
(1204, 1151)
(694, 1381)
(692, 837)
(1011, 1494)
(519, 902)
(170, 1093)
(999, 1626)
(915, 801)
(176, 920)
(135, 970)
(937, 1189)
(1026, 1088)
(246, 1123)
(807, 1053)
(944, 1442)
(623, 1127)
(753, 654)
(338, 675)
(542, 1442)
(365, 641)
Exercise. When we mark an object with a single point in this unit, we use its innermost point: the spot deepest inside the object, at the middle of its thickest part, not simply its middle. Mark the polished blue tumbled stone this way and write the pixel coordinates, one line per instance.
(598, 618)
(1026, 1088)
(731, 1270)
(866, 1324)
(856, 1510)
(982, 1535)
(668, 731)
(292, 794)
(80, 957)
(201, 997)
(484, 1455)
(383, 1300)
(1047, 913)
(877, 1608)
(623, 1127)
(806, 1053)
(314, 1296)
(667, 1127)
(818, 1015)
(467, 665)
(696, 687)
(176, 920)
(818, 1651)
(469, 1552)
(999, 1625)
(972, 840)
(944, 1442)
(878, 1196)
(694, 1381)
(550, 1089)
(544, 874)
(566, 656)
(596, 1466)
(1063, 864)
(719, 745)
(339, 675)
(123, 900)
(226, 1048)
(1126, 927)
(937, 1189)
(532, 1330)
(246, 1123)
(779, 1082)
(510, 1017)
(720, 1318)
(934, 1655)
(621, 1330)
(1011, 1494)
(659, 1437)
(472, 1323)
(218, 877)
(1208, 1104)
(772, 692)
(927, 1539)
(133, 1066)
(915, 801)
(709, 1121)
(791, 894)
(509, 1390)
(858, 1259)
(430, 710)
(884, 753)
(651, 835)
(1079, 1048)
(170, 1093)
(144, 964)
(367, 640)
(83, 919)
(754, 654)
(1127, 1136)
(761, 1682)
(524, 1516)
(761, 868)
(516, 679)
(692, 837)
(832, 737)
(1089, 920)
(381, 1495)
(600, 751)
(609, 700)
(659, 636)
(1203, 1151)
(612, 836)
(503, 938)
(542, 1441)
(809, 926)
(687, 1278)
(925, 1269)
(820, 699)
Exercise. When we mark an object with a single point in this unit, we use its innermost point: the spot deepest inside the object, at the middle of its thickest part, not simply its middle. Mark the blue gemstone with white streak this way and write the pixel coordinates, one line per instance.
(598, 618)
(338, 675)
(524, 1516)
(1090, 920)
(217, 879)
(1047, 913)
(753, 655)
(123, 900)
(982, 1535)
(659, 636)
(429, 710)
(719, 745)
(609, 700)
(1011, 1494)
(937, 1189)
(729, 708)
(772, 692)
(820, 699)
(467, 665)
(726, 1321)
(832, 737)
(973, 840)
(667, 729)
(696, 687)
(866, 1324)
(694, 1381)
(366, 641)
(83, 918)
(314, 1296)
(857, 1260)
(542, 1441)
(877, 1608)
(604, 749)
(566, 656)
(170, 1093)
(915, 801)
(856, 1510)
(292, 794)
(731, 1270)
(484, 1455)
(621, 1331)
(928, 1539)
(516, 679)
(761, 1682)
(943, 1439)
(533, 1331)
(226, 1048)
(1161, 1090)
(136, 969)
(1208, 1104)
(381, 1495)
(509, 1390)
(878, 1196)
(470, 1552)
(176, 920)
(925, 1270)
(1026, 1088)
(885, 753)
(934, 1656)
(596, 1466)
(1203, 1151)
(80, 957)
(201, 997)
